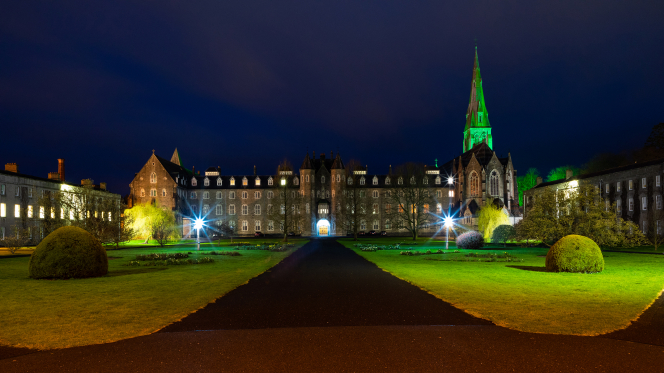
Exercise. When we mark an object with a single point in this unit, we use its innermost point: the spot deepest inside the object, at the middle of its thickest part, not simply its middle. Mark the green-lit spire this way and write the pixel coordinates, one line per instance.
(477, 128)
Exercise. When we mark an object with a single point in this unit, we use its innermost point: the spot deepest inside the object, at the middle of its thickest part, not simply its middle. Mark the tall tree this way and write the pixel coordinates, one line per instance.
(561, 172)
(285, 212)
(148, 220)
(489, 217)
(411, 197)
(653, 147)
(526, 182)
(353, 201)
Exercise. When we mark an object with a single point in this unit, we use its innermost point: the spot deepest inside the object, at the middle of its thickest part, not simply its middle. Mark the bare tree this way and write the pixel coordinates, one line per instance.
(410, 198)
(655, 231)
(353, 201)
(285, 210)
(16, 239)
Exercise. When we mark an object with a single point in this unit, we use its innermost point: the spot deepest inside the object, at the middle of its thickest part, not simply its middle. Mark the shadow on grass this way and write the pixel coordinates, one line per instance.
(125, 272)
(530, 268)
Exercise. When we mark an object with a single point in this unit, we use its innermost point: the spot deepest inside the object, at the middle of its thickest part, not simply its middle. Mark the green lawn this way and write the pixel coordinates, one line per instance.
(522, 296)
(128, 302)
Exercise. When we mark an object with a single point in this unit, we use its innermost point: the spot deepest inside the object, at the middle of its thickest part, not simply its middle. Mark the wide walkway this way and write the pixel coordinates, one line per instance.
(326, 309)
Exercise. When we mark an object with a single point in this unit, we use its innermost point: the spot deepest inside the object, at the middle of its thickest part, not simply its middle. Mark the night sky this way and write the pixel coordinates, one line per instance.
(242, 83)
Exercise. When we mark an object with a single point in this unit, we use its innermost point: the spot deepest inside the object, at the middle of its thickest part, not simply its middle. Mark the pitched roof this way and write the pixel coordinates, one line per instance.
(176, 158)
(172, 168)
(338, 164)
(306, 164)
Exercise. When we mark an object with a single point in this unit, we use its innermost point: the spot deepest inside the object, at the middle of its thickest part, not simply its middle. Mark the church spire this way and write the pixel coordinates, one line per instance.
(176, 158)
(477, 128)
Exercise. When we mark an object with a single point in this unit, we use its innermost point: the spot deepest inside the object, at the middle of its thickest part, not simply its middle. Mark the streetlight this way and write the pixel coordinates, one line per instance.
(448, 223)
(198, 224)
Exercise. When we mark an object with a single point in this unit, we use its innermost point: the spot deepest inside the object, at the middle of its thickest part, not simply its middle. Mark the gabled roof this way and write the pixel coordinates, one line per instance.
(176, 158)
(483, 154)
(172, 168)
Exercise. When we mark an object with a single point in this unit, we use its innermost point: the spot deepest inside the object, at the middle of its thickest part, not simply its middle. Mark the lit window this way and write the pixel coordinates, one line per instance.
(474, 184)
(618, 186)
(231, 195)
(245, 210)
(283, 181)
(257, 209)
(439, 208)
(219, 210)
(631, 185)
(232, 181)
(375, 208)
(142, 192)
(17, 211)
(231, 209)
(3, 210)
(219, 182)
(29, 211)
(153, 178)
(258, 181)
(219, 195)
(244, 181)
(193, 181)
(41, 212)
(270, 182)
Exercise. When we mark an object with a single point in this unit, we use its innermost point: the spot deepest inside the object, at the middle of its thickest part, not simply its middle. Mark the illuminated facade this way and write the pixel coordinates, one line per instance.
(478, 129)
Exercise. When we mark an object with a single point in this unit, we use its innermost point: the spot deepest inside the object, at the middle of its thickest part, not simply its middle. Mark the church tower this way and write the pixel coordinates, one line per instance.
(477, 128)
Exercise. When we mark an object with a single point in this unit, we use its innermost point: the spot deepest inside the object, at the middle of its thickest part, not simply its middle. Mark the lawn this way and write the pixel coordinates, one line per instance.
(522, 296)
(128, 302)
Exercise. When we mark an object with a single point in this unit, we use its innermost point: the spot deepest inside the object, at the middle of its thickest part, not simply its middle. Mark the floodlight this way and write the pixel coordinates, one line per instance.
(450, 180)
(448, 221)
(198, 223)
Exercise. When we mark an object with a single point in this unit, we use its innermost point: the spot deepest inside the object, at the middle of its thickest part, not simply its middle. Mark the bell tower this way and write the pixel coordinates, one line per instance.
(477, 128)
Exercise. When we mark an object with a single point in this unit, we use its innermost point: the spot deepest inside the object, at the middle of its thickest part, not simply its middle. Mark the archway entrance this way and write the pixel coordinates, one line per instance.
(323, 227)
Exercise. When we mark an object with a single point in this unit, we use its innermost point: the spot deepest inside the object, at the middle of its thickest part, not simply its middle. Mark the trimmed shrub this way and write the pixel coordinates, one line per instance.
(470, 241)
(575, 253)
(69, 252)
(503, 233)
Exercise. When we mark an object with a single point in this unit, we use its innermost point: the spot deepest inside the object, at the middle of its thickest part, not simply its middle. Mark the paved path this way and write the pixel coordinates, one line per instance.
(327, 309)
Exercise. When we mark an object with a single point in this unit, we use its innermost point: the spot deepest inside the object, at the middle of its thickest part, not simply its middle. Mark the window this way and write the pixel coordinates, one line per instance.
(644, 227)
(307, 208)
(270, 225)
(283, 181)
(363, 225)
(322, 179)
(657, 182)
(258, 181)
(245, 195)
(425, 181)
(658, 202)
(41, 212)
(153, 192)
(270, 195)
(606, 205)
(163, 192)
(219, 195)
(257, 209)
(426, 208)
(192, 195)
(388, 207)
(412, 180)
(618, 205)
(3, 189)
(231, 209)
(631, 185)
(474, 184)
(363, 193)
(451, 193)
(245, 226)
(375, 194)
(494, 180)
(153, 178)
(232, 181)
(219, 182)
(375, 208)
(270, 182)
(631, 204)
(350, 181)
(3, 210)
(387, 224)
(658, 224)
(327, 194)
(387, 180)
(606, 188)
(245, 181)
(338, 178)
(142, 192)
(193, 181)
(206, 208)
(18, 191)
(2, 233)
(376, 225)
(219, 210)
(643, 182)
(618, 186)
(30, 192)
(17, 211)
(439, 194)
(375, 180)
(245, 210)
(257, 195)
(194, 209)
(206, 195)
(257, 225)
(439, 208)
(206, 182)
(231, 195)
(437, 181)
(296, 181)
(644, 203)
(307, 178)
(400, 181)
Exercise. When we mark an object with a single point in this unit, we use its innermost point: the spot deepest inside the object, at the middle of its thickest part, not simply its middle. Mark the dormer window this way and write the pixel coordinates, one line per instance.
(270, 181)
(362, 180)
(193, 181)
(350, 181)
(219, 182)
(437, 180)
(206, 182)
(296, 181)
(400, 181)
(375, 180)
(387, 180)
(412, 180)
(232, 181)
(283, 181)
(244, 181)
(426, 181)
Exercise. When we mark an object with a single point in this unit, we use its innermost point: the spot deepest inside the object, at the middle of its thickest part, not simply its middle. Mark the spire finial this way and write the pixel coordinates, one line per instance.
(475, 43)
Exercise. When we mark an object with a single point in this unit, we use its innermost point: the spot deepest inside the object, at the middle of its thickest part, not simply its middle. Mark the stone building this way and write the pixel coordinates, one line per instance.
(636, 190)
(20, 198)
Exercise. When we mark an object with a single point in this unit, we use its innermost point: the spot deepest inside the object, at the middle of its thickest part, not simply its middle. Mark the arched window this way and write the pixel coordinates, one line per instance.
(269, 181)
(296, 181)
(387, 180)
(307, 178)
(426, 180)
(206, 182)
(474, 184)
(245, 181)
(142, 192)
(258, 181)
(400, 181)
(322, 179)
(338, 178)
(218, 181)
(437, 180)
(232, 181)
(375, 180)
(193, 181)
(218, 195)
(163, 192)
(362, 180)
(494, 180)
(412, 180)
(153, 177)
(257, 209)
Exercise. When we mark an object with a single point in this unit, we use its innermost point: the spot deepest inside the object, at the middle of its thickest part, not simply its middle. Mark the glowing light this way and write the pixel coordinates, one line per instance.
(573, 184)
(198, 223)
(448, 221)
(450, 180)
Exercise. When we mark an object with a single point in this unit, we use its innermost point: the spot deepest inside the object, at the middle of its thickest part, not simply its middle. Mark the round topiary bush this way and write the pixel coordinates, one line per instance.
(575, 253)
(470, 241)
(69, 252)
(503, 233)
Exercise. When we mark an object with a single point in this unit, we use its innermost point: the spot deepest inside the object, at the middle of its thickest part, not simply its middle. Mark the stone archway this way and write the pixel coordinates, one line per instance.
(323, 228)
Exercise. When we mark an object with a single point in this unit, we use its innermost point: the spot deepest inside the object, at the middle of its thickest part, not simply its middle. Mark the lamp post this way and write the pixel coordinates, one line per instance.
(448, 223)
(198, 224)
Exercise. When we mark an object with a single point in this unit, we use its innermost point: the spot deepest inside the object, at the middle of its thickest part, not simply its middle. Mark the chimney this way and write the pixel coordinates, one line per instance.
(568, 173)
(11, 167)
(322, 155)
(61, 168)
(539, 181)
(314, 155)
(254, 170)
(53, 176)
(193, 170)
(331, 155)
(390, 170)
(102, 186)
(87, 183)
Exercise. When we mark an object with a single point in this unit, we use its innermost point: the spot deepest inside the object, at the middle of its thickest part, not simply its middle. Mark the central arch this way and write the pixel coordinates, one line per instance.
(323, 227)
